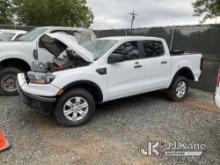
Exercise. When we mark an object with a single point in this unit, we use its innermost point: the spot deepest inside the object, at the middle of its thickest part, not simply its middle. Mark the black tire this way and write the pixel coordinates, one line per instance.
(10, 71)
(59, 112)
(172, 91)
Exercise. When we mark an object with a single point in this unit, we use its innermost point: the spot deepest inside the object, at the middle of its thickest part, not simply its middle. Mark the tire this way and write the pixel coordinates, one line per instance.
(68, 103)
(174, 93)
(8, 76)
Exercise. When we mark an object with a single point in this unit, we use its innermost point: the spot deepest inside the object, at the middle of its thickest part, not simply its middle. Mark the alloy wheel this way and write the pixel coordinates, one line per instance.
(76, 108)
(181, 89)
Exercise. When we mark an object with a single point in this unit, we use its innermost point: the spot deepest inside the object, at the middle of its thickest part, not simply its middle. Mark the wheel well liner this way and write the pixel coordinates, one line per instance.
(17, 63)
(186, 72)
(91, 87)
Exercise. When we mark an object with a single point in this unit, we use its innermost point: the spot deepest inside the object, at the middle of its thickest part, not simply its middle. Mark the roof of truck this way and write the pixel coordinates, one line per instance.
(12, 31)
(66, 27)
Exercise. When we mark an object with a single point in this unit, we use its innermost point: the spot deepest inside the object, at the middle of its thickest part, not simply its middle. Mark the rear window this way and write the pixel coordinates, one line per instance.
(32, 35)
(6, 36)
(153, 49)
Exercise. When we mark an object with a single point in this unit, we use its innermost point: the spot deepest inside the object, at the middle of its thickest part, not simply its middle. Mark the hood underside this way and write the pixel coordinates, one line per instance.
(56, 43)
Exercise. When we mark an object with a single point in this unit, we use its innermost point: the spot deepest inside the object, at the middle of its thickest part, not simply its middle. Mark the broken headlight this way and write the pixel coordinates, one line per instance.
(40, 78)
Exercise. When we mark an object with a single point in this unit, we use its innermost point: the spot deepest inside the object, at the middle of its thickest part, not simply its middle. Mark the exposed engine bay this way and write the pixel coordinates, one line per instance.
(69, 61)
(40, 70)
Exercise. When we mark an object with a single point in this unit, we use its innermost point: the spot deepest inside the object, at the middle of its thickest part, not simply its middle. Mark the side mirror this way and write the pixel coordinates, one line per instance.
(115, 58)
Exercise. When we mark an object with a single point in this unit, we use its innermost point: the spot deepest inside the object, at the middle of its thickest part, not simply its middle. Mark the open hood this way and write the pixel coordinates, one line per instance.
(56, 43)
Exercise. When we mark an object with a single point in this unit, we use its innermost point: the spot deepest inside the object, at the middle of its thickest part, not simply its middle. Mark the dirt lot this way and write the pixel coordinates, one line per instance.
(115, 133)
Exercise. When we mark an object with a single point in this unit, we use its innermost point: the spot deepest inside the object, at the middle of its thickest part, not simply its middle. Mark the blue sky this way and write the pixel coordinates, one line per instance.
(113, 14)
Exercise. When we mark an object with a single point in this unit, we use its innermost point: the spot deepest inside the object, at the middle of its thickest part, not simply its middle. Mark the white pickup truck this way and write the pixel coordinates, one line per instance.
(10, 35)
(18, 55)
(104, 69)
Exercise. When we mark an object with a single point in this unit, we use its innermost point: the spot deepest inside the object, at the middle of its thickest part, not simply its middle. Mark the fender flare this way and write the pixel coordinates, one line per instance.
(86, 83)
(188, 75)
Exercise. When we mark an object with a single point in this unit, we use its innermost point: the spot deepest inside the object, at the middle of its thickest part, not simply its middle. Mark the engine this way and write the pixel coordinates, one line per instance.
(69, 61)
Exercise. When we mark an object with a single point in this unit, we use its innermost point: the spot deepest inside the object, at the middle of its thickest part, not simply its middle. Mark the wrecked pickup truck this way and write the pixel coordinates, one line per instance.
(103, 70)
(17, 56)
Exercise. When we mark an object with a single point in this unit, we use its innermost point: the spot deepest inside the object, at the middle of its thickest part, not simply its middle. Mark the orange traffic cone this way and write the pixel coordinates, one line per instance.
(4, 144)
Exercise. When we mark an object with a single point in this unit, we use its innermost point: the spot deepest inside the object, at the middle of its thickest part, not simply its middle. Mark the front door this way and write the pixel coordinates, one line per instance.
(126, 78)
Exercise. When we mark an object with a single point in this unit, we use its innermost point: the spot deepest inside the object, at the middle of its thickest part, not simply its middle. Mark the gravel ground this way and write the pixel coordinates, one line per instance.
(115, 133)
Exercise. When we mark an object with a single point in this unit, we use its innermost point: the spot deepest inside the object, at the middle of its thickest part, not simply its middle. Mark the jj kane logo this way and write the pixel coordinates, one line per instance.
(157, 148)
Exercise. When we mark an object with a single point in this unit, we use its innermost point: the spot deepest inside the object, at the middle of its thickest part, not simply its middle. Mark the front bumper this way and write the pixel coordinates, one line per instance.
(45, 104)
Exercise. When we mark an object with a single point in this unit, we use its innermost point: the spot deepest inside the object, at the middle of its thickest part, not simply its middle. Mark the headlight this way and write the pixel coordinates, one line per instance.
(40, 78)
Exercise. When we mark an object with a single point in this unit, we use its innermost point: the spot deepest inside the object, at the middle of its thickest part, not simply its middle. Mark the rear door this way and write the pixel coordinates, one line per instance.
(157, 65)
(126, 78)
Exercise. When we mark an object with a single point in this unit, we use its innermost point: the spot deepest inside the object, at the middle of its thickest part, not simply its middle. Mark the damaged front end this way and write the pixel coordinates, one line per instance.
(74, 56)
(41, 73)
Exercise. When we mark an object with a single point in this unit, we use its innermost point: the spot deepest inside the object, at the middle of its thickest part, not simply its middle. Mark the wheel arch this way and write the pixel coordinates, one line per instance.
(186, 72)
(90, 86)
(15, 62)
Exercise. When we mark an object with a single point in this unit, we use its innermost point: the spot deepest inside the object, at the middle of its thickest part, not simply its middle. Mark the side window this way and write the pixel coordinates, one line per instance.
(59, 31)
(129, 50)
(19, 35)
(153, 49)
(69, 32)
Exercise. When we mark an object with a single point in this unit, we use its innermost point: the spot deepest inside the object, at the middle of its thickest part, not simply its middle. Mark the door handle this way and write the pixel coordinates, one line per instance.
(137, 66)
(164, 62)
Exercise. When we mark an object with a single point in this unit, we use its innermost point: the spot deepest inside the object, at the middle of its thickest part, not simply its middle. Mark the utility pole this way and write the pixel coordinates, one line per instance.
(133, 18)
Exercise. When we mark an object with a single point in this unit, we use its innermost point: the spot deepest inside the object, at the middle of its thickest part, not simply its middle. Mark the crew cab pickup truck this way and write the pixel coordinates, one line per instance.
(17, 56)
(10, 35)
(102, 70)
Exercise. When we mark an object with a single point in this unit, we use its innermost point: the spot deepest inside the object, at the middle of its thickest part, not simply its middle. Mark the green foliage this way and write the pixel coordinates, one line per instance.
(207, 8)
(5, 16)
(53, 12)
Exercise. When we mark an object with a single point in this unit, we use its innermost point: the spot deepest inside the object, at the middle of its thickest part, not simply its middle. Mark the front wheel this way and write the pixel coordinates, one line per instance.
(75, 108)
(8, 78)
(178, 89)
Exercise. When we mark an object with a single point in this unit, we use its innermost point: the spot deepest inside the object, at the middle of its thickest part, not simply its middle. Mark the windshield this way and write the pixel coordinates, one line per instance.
(99, 47)
(5, 36)
(32, 35)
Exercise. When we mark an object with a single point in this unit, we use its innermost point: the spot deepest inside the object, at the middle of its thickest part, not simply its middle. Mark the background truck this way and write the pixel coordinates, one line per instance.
(17, 56)
(103, 70)
(10, 35)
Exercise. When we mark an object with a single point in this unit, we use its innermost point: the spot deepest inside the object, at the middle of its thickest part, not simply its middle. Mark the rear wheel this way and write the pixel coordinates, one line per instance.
(75, 108)
(8, 79)
(178, 89)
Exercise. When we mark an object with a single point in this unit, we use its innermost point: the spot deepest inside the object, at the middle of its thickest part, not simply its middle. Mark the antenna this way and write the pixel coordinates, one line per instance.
(133, 14)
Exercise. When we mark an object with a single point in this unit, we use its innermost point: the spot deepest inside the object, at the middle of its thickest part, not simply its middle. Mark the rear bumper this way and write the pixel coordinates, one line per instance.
(38, 103)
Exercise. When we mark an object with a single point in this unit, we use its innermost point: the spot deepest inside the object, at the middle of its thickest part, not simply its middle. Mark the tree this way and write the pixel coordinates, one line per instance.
(5, 16)
(207, 8)
(53, 12)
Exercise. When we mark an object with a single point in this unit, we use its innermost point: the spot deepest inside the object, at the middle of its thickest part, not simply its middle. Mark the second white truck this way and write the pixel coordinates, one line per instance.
(103, 70)
(17, 56)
